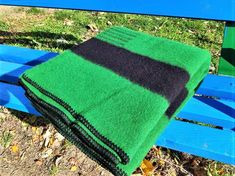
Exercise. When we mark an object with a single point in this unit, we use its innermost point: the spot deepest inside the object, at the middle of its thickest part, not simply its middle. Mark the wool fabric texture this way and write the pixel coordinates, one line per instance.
(113, 95)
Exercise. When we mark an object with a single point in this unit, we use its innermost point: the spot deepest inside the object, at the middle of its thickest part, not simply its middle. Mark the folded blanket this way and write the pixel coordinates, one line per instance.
(114, 94)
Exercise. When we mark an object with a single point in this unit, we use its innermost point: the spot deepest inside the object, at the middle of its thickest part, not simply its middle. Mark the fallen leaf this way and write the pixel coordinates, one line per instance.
(47, 153)
(39, 131)
(35, 138)
(34, 129)
(147, 167)
(38, 162)
(57, 161)
(54, 144)
(15, 149)
(109, 23)
(59, 137)
(46, 137)
(51, 141)
(172, 172)
(92, 27)
(73, 168)
(161, 162)
(221, 171)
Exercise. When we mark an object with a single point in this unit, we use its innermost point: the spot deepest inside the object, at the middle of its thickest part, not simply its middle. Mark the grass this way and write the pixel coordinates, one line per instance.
(53, 170)
(6, 139)
(59, 30)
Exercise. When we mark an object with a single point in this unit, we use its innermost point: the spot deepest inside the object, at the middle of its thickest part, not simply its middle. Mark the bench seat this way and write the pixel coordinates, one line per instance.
(214, 106)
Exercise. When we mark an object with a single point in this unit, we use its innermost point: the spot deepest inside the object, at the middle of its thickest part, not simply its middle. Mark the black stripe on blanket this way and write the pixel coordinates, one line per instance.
(177, 102)
(162, 78)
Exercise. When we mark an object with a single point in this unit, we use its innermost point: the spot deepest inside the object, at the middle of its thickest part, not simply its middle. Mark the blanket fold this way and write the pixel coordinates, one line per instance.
(114, 94)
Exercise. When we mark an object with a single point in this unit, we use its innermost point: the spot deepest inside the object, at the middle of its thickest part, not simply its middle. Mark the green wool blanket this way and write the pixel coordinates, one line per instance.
(114, 94)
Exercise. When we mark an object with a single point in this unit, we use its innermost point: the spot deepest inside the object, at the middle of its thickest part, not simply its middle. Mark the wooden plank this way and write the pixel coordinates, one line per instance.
(218, 113)
(218, 86)
(10, 72)
(25, 56)
(202, 141)
(199, 140)
(203, 9)
(12, 96)
(210, 111)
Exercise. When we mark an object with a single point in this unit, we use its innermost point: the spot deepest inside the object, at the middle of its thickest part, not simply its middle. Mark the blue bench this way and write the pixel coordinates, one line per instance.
(216, 108)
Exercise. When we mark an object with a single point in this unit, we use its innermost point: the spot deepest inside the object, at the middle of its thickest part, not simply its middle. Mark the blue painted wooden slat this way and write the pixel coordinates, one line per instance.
(12, 96)
(24, 55)
(218, 86)
(210, 111)
(10, 72)
(205, 9)
(200, 140)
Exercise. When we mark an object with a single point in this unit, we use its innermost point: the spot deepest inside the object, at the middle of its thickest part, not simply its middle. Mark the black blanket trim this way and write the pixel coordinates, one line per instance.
(162, 78)
(80, 133)
(123, 156)
(56, 117)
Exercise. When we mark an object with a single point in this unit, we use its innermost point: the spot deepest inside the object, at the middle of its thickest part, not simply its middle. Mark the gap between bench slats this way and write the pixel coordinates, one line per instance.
(182, 136)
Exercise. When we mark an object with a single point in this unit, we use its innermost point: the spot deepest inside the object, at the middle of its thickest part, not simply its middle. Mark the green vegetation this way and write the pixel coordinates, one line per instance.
(59, 30)
(6, 139)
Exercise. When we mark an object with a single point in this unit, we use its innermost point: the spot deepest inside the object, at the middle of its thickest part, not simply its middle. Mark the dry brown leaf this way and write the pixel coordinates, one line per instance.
(38, 162)
(54, 144)
(147, 167)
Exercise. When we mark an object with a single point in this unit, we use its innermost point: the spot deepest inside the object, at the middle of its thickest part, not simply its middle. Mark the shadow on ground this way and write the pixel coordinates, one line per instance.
(39, 38)
(36, 121)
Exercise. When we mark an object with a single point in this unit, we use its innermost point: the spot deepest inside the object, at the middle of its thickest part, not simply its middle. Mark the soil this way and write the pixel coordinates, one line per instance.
(35, 148)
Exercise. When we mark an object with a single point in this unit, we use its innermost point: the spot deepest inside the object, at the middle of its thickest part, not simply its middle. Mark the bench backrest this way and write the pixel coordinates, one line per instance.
(223, 10)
